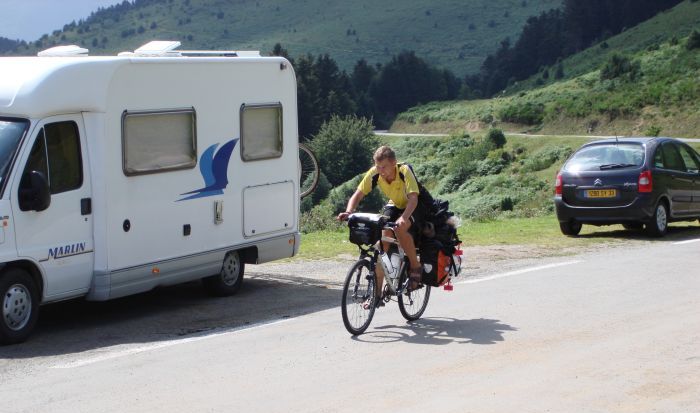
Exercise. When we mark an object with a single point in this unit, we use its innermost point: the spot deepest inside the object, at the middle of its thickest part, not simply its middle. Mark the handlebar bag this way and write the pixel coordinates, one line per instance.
(366, 229)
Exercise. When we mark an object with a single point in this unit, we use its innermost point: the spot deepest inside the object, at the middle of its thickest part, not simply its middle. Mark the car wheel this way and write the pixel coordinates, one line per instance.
(571, 227)
(658, 225)
(633, 226)
(19, 305)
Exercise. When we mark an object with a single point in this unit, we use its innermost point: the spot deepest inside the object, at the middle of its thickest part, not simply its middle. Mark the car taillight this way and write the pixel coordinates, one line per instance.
(644, 183)
(558, 185)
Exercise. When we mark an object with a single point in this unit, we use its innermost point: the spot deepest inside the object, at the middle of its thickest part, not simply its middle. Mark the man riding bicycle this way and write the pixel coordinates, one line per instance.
(400, 185)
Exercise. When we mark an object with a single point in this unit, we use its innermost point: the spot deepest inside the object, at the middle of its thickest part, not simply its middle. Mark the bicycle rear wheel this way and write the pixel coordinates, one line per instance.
(308, 171)
(358, 293)
(413, 303)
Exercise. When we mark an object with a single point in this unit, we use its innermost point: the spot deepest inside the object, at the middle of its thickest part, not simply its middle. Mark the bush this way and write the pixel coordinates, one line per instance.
(338, 198)
(496, 137)
(619, 66)
(693, 40)
(545, 158)
(653, 130)
(318, 219)
(344, 147)
(507, 204)
(525, 113)
(318, 195)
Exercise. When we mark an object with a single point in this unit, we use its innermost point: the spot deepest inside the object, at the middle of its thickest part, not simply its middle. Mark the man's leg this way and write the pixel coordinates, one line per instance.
(406, 240)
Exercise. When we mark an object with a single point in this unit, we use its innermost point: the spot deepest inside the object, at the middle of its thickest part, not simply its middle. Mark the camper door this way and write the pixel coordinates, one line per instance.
(52, 208)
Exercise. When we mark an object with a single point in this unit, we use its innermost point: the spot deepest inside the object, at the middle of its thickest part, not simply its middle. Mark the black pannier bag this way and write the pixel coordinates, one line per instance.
(437, 261)
(366, 229)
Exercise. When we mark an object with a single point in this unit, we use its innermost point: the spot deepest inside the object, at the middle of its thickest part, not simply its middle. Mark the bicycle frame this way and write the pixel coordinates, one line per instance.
(372, 253)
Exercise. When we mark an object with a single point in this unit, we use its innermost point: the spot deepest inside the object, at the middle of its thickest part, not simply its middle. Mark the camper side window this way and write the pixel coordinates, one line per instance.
(158, 141)
(56, 153)
(261, 131)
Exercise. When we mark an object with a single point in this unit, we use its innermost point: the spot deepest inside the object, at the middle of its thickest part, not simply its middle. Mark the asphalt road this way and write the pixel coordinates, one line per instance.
(614, 330)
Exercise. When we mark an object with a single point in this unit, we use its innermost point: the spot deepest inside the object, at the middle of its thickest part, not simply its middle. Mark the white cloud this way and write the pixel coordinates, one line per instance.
(30, 19)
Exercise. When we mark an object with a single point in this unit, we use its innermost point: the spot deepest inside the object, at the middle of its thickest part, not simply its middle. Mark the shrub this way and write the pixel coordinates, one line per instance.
(652, 130)
(318, 195)
(693, 40)
(507, 204)
(496, 137)
(619, 66)
(338, 198)
(545, 158)
(344, 147)
(318, 219)
(526, 113)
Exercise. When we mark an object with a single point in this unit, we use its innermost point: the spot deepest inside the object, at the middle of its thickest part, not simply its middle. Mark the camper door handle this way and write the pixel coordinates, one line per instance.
(86, 206)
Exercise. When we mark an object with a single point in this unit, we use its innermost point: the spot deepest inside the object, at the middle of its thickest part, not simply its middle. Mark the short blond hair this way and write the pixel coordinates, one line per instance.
(384, 152)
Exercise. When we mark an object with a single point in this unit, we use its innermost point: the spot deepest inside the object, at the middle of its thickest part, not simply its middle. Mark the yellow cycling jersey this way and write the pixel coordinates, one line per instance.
(397, 191)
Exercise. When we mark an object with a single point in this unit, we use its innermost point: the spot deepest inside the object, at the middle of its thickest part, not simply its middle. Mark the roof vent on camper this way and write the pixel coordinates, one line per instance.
(155, 48)
(63, 51)
(159, 48)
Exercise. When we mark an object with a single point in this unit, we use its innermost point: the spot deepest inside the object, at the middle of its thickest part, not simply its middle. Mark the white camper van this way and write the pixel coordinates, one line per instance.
(119, 174)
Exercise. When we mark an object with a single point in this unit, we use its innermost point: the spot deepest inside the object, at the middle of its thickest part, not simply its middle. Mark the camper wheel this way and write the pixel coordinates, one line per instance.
(229, 280)
(20, 305)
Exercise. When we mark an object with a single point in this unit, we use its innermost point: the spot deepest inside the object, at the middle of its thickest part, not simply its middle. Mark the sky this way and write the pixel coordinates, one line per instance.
(30, 19)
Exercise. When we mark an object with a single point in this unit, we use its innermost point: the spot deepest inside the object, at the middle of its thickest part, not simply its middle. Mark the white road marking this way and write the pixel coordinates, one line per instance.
(518, 272)
(118, 351)
(686, 242)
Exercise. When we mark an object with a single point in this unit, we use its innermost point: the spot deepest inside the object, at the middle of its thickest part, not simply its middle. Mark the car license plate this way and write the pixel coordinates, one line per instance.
(601, 193)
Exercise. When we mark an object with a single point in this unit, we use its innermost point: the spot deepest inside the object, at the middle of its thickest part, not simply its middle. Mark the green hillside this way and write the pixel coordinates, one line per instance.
(676, 23)
(659, 92)
(453, 34)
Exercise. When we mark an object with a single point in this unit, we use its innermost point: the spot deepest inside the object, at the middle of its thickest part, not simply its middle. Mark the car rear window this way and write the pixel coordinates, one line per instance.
(606, 156)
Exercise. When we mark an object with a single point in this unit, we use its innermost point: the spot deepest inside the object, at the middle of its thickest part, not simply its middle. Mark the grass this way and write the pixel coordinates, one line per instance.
(325, 245)
(540, 233)
(447, 33)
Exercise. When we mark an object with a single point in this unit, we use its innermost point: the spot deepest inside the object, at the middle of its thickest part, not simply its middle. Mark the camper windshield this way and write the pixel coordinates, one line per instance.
(11, 131)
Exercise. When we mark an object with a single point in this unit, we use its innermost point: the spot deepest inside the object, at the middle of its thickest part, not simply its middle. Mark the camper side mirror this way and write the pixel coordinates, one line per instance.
(34, 193)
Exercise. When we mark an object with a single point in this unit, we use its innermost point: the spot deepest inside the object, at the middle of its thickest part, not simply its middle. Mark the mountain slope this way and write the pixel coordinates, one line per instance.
(660, 92)
(449, 33)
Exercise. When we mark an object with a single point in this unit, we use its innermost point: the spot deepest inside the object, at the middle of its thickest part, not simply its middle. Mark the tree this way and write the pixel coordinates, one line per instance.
(308, 96)
(408, 80)
(344, 147)
(278, 50)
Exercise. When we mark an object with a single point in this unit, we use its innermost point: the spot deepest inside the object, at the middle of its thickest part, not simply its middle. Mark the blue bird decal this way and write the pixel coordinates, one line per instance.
(213, 167)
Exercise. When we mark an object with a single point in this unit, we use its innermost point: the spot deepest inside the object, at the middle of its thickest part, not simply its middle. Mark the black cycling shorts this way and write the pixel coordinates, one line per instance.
(394, 213)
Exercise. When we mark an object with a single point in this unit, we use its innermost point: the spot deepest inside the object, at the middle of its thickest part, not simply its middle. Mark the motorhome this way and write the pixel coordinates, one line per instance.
(122, 173)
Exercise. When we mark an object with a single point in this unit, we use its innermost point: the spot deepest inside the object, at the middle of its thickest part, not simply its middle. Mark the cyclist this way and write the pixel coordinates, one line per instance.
(400, 185)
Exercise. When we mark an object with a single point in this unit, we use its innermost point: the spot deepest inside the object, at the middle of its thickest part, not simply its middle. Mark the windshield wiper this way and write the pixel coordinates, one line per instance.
(616, 165)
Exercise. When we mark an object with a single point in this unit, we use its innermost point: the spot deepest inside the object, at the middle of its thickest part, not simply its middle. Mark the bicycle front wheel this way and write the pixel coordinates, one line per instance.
(413, 303)
(358, 303)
